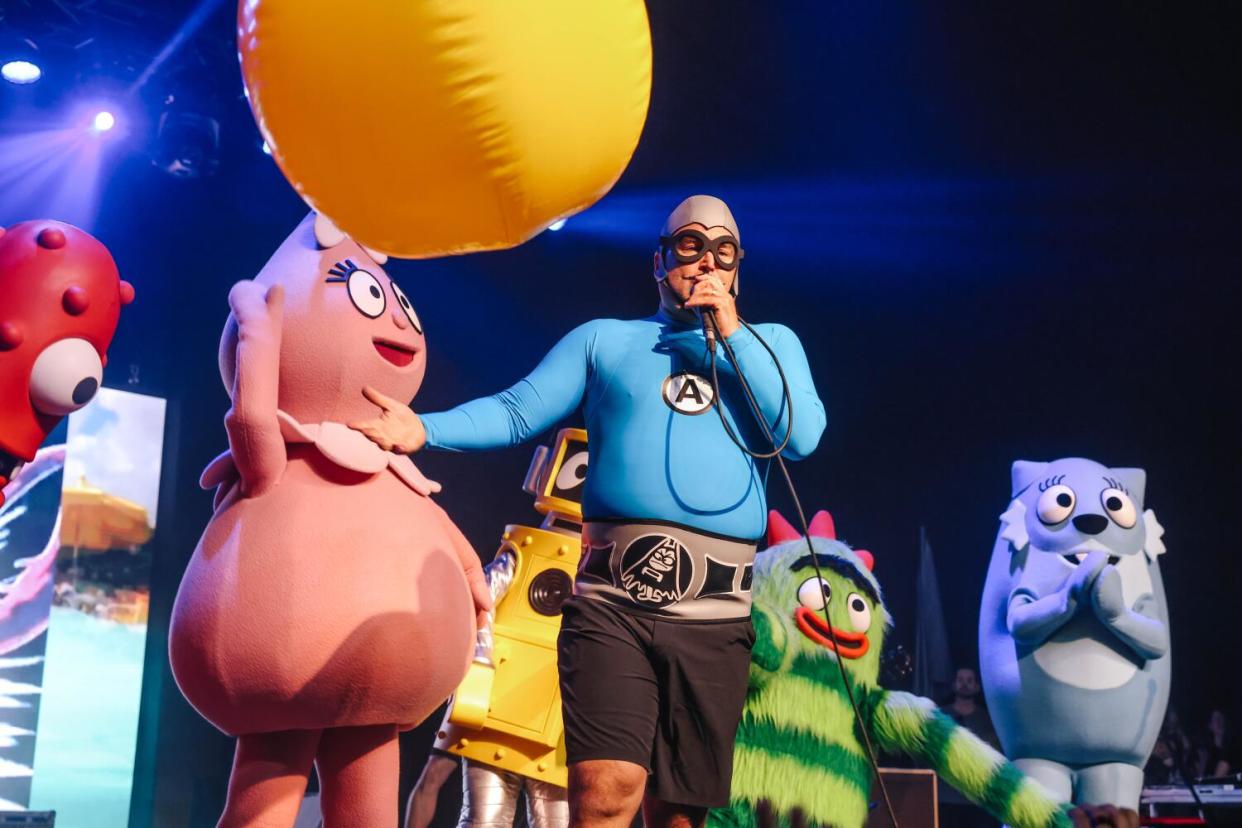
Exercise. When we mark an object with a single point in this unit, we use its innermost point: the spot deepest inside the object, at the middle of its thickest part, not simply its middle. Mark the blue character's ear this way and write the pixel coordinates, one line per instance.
(1025, 473)
(1135, 480)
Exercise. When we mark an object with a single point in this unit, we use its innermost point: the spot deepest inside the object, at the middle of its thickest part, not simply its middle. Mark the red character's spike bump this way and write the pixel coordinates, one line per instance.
(127, 292)
(867, 558)
(75, 300)
(779, 529)
(51, 238)
(822, 526)
(10, 336)
(57, 282)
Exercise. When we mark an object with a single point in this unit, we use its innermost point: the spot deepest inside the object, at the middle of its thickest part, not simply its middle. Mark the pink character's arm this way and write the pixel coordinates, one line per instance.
(470, 563)
(254, 431)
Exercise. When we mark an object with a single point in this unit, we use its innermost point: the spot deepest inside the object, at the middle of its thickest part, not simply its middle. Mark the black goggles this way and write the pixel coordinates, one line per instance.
(688, 246)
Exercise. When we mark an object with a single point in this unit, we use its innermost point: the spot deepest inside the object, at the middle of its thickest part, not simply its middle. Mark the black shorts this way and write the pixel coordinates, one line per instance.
(666, 695)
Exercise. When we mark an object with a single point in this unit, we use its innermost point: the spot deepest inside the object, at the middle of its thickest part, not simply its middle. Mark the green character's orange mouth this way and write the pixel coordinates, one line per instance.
(814, 627)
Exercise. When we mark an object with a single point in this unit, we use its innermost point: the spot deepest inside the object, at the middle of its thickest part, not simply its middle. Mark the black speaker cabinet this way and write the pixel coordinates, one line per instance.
(914, 798)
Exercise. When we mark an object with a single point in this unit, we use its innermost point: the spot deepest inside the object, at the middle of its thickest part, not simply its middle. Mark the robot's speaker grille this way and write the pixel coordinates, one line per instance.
(549, 591)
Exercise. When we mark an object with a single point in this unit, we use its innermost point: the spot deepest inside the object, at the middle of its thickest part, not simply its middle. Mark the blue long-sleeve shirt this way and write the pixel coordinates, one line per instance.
(648, 460)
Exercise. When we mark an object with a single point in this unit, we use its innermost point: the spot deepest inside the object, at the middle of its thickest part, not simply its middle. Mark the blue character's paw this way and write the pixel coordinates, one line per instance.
(1081, 581)
(1106, 595)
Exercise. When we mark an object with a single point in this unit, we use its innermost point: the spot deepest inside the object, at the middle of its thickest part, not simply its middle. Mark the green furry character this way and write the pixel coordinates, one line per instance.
(799, 758)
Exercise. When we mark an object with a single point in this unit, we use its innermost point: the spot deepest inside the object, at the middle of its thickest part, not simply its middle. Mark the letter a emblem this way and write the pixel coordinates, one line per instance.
(687, 393)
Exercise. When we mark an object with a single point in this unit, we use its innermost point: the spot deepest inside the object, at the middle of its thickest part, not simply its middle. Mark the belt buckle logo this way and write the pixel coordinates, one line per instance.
(656, 570)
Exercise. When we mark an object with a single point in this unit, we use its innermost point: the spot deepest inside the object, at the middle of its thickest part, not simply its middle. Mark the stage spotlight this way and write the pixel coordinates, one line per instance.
(187, 145)
(557, 225)
(21, 72)
(103, 121)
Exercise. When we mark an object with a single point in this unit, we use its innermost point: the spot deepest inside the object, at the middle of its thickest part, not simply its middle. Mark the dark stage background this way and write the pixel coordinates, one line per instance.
(1001, 232)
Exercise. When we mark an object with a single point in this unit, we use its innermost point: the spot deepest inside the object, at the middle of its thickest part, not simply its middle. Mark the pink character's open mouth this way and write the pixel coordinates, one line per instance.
(396, 353)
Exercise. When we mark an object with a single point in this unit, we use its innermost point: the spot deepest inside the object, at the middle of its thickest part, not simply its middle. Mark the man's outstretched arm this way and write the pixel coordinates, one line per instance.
(547, 395)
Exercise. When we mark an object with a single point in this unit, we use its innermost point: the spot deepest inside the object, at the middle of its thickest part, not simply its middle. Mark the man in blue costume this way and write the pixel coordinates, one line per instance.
(655, 644)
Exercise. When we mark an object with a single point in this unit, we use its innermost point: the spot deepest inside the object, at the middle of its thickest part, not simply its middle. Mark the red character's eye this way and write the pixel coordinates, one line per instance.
(65, 377)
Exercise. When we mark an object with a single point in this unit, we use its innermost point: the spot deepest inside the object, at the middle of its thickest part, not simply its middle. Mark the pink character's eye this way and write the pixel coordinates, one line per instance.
(404, 302)
(366, 294)
(364, 289)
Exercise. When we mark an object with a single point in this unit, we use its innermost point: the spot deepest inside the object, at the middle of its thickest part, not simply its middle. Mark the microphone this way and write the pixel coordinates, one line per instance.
(708, 318)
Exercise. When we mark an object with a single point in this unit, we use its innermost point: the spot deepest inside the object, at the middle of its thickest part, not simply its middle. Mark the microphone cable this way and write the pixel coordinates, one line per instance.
(776, 453)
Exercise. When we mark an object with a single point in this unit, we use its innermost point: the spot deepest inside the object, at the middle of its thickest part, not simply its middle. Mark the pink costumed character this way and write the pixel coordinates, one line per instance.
(329, 603)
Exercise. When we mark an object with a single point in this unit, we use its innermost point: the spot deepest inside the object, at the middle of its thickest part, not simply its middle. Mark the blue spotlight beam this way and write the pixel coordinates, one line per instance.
(52, 173)
(192, 24)
(916, 233)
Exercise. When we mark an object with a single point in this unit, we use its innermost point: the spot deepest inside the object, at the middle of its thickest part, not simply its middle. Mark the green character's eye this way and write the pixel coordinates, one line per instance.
(860, 612)
(814, 594)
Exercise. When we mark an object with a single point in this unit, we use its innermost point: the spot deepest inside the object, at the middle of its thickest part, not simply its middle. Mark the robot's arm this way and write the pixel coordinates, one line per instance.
(258, 449)
(912, 725)
(472, 699)
(1139, 627)
(1032, 618)
(499, 575)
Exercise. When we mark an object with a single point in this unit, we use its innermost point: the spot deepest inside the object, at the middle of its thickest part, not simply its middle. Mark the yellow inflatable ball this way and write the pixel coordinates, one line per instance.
(427, 127)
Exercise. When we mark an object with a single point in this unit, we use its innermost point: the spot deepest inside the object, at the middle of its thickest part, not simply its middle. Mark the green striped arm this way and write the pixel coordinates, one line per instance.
(913, 725)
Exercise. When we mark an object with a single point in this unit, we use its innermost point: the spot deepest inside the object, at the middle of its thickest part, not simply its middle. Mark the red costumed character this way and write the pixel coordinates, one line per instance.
(330, 603)
(60, 298)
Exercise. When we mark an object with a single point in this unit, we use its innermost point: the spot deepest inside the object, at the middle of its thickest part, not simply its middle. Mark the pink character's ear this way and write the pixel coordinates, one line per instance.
(779, 529)
(867, 558)
(822, 526)
(327, 234)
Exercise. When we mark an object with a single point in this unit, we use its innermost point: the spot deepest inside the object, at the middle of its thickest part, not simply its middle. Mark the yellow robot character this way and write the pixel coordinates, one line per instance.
(505, 718)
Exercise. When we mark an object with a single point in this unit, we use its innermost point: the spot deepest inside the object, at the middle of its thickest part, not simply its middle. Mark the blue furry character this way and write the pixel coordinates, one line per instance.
(1074, 629)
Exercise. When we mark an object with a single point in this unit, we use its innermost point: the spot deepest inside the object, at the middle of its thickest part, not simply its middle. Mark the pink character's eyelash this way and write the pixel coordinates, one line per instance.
(340, 271)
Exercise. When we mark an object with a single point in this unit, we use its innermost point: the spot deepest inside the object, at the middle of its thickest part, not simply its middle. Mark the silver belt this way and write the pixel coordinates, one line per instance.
(666, 570)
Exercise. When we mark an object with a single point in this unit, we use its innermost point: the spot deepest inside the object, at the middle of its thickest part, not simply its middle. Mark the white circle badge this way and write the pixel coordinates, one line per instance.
(687, 393)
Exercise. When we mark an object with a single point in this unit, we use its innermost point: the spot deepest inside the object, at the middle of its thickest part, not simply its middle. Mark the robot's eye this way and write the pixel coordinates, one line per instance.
(573, 472)
(1055, 504)
(366, 294)
(404, 302)
(814, 594)
(1119, 507)
(860, 612)
(65, 377)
